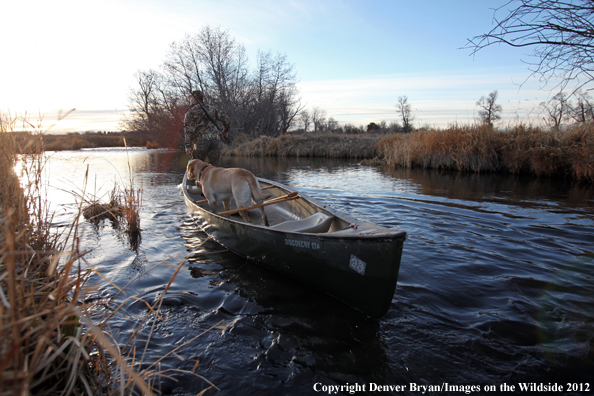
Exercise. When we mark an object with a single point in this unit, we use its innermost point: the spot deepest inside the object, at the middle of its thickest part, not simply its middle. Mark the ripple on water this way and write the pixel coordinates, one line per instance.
(495, 284)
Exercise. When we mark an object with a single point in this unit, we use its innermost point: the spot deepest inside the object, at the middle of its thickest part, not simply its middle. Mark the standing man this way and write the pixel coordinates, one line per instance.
(201, 134)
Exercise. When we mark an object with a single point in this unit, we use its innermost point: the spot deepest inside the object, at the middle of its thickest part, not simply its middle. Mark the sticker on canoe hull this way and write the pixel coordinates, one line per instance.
(357, 264)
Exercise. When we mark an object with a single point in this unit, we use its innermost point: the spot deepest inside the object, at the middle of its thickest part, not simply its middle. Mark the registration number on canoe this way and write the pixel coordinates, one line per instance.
(302, 244)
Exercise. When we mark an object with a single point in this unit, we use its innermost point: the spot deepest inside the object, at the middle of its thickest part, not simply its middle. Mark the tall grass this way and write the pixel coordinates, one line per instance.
(480, 148)
(42, 346)
(472, 148)
(306, 145)
(48, 342)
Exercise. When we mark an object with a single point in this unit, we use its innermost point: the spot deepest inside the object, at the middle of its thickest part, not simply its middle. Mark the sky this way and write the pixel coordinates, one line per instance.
(353, 58)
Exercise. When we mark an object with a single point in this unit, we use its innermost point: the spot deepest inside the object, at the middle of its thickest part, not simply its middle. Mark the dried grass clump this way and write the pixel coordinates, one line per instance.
(480, 148)
(325, 145)
(44, 350)
(123, 209)
(463, 148)
(65, 142)
(130, 209)
(582, 161)
(95, 211)
(132, 202)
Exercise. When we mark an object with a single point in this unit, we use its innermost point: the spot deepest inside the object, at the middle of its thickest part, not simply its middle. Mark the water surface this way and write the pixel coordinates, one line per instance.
(495, 284)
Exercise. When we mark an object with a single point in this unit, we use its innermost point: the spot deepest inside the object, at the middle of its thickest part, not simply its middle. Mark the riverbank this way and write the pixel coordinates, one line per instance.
(328, 145)
(55, 337)
(520, 150)
(567, 153)
(42, 346)
(27, 142)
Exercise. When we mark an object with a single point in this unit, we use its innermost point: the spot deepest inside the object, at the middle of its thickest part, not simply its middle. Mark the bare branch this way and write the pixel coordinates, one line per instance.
(560, 32)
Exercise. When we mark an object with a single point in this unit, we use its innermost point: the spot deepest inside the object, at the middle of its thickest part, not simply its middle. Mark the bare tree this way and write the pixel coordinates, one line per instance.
(183, 66)
(394, 127)
(289, 106)
(275, 103)
(489, 111)
(556, 110)
(260, 101)
(351, 128)
(224, 65)
(156, 110)
(561, 32)
(305, 119)
(332, 124)
(583, 111)
(143, 102)
(318, 117)
(404, 109)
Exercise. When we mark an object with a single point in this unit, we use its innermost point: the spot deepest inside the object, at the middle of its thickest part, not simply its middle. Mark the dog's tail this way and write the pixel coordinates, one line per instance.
(256, 192)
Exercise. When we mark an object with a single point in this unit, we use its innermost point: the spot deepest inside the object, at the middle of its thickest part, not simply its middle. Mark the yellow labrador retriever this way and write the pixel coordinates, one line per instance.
(224, 183)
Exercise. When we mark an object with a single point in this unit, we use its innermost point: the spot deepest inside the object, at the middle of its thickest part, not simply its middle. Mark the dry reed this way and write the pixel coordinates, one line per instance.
(42, 347)
(479, 148)
(48, 343)
(472, 148)
(306, 145)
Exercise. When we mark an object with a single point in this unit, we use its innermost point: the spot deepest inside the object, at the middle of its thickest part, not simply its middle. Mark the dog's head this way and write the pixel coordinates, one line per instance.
(194, 167)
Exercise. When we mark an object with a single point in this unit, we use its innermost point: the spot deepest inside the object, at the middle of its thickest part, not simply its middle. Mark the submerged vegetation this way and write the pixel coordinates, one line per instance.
(122, 209)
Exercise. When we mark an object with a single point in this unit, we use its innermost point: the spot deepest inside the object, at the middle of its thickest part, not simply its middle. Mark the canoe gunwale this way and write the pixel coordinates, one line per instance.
(365, 228)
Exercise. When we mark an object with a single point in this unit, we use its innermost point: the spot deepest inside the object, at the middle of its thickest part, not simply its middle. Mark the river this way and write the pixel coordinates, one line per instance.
(495, 287)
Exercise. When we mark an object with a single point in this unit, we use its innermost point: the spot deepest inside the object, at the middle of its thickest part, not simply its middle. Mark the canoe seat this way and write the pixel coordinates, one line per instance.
(316, 223)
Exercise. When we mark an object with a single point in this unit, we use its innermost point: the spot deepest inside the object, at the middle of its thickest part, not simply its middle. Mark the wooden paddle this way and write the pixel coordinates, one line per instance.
(263, 188)
(284, 198)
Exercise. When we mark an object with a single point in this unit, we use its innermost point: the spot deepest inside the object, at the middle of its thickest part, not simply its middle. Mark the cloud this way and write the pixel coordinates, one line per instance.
(437, 99)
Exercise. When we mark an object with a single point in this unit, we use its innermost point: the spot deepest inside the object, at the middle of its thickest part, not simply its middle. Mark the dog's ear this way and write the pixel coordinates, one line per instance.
(190, 169)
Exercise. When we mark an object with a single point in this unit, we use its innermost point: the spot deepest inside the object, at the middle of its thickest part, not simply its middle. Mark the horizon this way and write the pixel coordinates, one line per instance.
(352, 59)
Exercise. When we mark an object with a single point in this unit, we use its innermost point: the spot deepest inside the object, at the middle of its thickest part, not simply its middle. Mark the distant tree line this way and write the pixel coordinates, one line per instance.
(555, 112)
(316, 120)
(259, 101)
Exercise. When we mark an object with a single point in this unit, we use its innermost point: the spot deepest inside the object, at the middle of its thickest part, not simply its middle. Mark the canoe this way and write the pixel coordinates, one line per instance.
(354, 261)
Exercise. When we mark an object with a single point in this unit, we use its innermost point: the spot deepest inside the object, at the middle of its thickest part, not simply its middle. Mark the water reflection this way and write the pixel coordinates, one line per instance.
(514, 189)
(485, 187)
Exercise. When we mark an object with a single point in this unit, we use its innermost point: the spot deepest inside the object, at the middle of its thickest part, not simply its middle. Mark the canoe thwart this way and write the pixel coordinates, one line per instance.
(284, 198)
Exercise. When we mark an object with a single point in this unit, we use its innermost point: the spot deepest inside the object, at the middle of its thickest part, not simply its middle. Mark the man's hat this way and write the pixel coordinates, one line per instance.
(197, 94)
